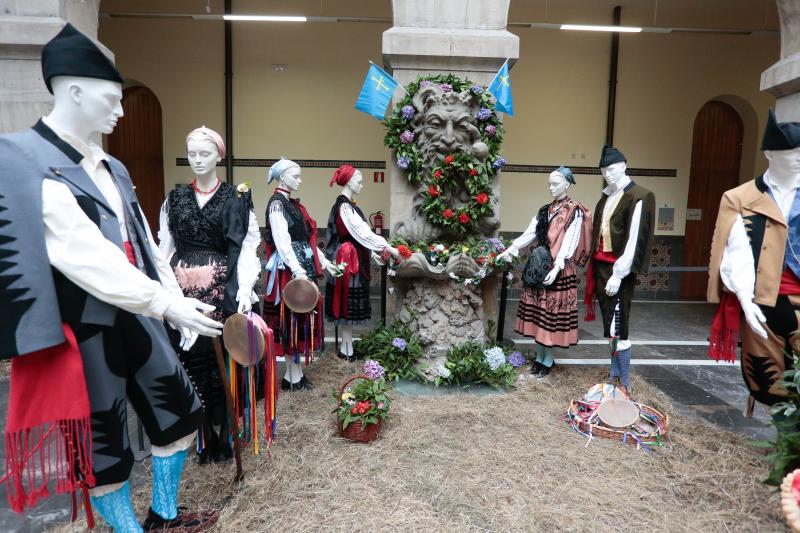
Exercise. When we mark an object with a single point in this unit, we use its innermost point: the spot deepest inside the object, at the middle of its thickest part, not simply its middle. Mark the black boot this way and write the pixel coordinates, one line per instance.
(536, 368)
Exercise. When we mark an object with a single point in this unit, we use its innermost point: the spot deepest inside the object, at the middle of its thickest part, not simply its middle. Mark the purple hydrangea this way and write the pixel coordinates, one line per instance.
(498, 244)
(484, 114)
(425, 83)
(407, 137)
(476, 89)
(373, 369)
(516, 359)
(446, 87)
(500, 162)
(403, 162)
(399, 343)
(408, 112)
(490, 130)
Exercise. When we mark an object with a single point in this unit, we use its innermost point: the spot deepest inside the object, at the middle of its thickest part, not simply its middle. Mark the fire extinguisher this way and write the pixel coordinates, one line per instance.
(376, 220)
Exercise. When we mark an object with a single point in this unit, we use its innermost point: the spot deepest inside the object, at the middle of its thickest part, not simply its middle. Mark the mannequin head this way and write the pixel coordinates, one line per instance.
(204, 148)
(784, 164)
(558, 185)
(85, 107)
(349, 179)
(614, 173)
(355, 185)
(287, 173)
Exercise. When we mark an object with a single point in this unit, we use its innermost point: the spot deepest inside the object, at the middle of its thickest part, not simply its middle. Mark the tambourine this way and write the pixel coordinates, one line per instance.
(301, 295)
(618, 413)
(244, 337)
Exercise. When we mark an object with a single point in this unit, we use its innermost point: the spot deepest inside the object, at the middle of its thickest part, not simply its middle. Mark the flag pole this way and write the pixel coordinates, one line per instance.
(398, 83)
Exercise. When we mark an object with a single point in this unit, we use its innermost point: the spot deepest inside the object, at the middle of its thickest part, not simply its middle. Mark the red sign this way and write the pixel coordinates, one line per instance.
(378, 177)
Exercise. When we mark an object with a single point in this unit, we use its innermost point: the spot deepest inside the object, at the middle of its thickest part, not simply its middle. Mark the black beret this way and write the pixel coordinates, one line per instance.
(71, 53)
(610, 155)
(780, 135)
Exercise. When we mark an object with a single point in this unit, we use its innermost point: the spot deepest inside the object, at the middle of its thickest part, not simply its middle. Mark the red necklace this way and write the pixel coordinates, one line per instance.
(288, 193)
(200, 191)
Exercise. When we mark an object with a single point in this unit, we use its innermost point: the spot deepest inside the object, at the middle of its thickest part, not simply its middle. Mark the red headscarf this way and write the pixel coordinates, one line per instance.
(342, 175)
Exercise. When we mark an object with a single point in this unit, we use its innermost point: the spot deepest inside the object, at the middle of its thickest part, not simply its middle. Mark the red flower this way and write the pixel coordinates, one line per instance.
(448, 213)
(354, 410)
(463, 218)
(404, 250)
(433, 190)
(492, 255)
(437, 174)
(481, 260)
(473, 172)
(449, 160)
(481, 198)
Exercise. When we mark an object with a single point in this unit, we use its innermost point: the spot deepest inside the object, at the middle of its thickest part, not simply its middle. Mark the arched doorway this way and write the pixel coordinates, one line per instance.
(137, 141)
(716, 160)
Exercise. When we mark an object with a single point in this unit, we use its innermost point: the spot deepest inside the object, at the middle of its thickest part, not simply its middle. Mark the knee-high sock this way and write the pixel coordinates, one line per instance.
(346, 346)
(539, 353)
(166, 480)
(624, 363)
(614, 366)
(294, 372)
(548, 356)
(116, 509)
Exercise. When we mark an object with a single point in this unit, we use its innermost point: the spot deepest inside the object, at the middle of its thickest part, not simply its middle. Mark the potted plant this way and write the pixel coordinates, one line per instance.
(362, 404)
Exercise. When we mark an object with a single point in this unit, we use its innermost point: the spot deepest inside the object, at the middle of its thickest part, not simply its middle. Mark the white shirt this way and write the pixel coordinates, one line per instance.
(737, 268)
(248, 266)
(568, 246)
(360, 230)
(77, 248)
(283, 242)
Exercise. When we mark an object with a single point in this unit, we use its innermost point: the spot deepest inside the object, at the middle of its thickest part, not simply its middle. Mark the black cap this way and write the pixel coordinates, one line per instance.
(610, 155)
(780, 135)
(71, 53)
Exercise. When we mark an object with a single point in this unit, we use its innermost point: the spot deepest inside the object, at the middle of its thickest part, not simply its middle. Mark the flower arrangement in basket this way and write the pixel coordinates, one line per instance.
(362, 406)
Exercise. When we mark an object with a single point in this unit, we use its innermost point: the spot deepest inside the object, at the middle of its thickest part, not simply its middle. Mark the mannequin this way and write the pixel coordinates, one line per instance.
(291, 251)
(208, 231)
(754, 267)
(350, 241)
(98, 290)
(622, 240)
(550, 314)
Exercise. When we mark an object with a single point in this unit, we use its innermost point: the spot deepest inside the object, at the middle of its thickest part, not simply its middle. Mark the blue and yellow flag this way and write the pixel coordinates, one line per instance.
(501, 89)
(376, 93)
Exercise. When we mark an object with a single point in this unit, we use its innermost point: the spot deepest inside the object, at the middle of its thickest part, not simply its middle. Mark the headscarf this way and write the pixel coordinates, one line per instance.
(280, 166)
(342, 175)
(567, 173)
(207, 134)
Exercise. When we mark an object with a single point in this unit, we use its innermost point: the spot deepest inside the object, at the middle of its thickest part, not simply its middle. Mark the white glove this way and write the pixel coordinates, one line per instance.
(188, 338)
(300, 274)
(394, 252)
(551, 276)
(612, 287)
(243, 297)
(378, 260)
(333, 270)
(504, 255)
(188, 313)
(755, 318)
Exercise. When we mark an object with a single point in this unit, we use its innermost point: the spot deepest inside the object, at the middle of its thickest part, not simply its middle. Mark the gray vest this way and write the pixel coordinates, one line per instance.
(34, 298)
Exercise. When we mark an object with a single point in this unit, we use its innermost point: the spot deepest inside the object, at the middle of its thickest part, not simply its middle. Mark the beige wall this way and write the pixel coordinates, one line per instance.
(560, 90)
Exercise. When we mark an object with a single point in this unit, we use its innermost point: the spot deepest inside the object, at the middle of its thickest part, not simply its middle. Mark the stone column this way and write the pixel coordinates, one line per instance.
(25, 27)
(783, 78)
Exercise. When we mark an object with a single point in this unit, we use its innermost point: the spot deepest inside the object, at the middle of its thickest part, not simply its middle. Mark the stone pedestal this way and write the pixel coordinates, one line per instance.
(783, 78)
(25, 27)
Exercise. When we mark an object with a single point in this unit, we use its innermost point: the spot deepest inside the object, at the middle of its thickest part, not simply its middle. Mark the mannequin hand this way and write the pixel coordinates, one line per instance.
(394, 252)
(755, 318)
(300, 274)
(333, 270)
(188, 338)
(505, 255)
(551, 276)
(612, 287)
(378, 259)
(243, 297)
(188, 313)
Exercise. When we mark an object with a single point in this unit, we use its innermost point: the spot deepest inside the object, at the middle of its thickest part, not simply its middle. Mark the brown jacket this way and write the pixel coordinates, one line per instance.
(620, 225)
(767, 230)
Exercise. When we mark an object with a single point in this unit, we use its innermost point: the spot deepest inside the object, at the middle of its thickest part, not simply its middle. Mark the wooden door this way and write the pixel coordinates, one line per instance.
(716, 157)
(137, 141)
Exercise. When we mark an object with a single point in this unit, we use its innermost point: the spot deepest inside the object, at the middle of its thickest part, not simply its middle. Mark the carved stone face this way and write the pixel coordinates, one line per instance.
(445, 123)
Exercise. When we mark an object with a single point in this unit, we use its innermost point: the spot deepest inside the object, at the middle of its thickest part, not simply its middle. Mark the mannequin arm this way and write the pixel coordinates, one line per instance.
(360, 230)
(622, 267)
(165, 271)
(165, 242)
(570, 242)
(283, 242)
(520, 242)
(738, 273)
(248, 267)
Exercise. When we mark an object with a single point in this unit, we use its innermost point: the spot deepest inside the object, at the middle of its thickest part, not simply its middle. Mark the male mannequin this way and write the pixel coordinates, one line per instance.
(350, 241)
(72, 207)
(622, 240)
(754, 254)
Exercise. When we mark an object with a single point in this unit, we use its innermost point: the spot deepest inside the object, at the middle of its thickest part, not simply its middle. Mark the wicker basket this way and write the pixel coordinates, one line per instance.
(599, 430)
(354, 430)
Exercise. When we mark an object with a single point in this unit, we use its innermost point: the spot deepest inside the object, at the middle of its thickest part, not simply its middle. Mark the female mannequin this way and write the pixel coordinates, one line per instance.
(291, 251)
(350, 241)
(209, 231)
(550, 314)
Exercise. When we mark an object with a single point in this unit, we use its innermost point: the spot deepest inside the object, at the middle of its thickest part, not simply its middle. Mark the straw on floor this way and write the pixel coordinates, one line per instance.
(469, 462)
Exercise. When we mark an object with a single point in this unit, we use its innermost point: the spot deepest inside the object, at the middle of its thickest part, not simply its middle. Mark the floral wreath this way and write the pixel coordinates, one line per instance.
(476, 175)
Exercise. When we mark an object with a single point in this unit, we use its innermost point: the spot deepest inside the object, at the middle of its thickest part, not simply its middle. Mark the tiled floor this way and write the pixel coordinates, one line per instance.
(714, 392)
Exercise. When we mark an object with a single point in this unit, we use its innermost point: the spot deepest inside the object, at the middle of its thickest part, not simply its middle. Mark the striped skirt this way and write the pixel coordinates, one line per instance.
(550, 315)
